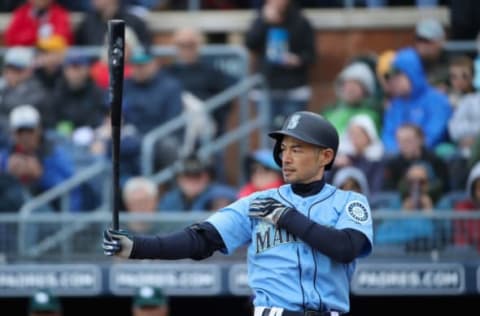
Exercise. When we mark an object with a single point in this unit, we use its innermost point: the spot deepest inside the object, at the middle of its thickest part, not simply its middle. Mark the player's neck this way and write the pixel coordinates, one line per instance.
(308, 189)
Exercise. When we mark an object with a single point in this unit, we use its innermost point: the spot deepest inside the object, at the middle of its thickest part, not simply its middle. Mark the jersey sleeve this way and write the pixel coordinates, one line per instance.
(356, 214)
(233, 225)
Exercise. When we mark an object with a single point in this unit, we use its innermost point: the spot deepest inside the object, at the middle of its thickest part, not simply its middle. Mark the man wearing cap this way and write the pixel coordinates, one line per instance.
(44, 303)
(18, 85)
(194, 185)
(36, 161)
(152, 97)
(429, 43)
(77, 101)
(150, 301)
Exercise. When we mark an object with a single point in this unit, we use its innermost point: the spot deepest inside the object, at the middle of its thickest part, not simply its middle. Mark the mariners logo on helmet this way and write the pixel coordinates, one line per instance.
(293, 122)
(314, 129)
(357, 211)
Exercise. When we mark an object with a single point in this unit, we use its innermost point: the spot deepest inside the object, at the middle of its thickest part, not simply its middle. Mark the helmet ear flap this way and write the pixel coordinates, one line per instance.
(277, 152)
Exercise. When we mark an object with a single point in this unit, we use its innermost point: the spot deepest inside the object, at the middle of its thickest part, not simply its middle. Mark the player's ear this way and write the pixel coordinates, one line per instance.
(326, 155)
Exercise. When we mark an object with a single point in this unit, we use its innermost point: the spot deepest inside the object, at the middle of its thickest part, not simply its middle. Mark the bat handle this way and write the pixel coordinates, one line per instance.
(116, 176)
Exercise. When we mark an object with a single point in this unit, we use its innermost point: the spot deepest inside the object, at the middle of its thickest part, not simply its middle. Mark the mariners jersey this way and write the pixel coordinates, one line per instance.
(283, 271)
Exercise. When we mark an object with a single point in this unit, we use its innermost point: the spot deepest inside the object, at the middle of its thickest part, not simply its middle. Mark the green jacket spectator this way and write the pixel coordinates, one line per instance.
(355, 89)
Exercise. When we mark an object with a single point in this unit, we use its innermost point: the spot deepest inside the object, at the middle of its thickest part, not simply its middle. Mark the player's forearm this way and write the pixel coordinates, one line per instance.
(195, 243)
(340, 245)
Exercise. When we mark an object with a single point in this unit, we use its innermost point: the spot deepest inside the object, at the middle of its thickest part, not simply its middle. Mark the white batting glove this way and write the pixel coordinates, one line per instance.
(267, 209)
(118, 243)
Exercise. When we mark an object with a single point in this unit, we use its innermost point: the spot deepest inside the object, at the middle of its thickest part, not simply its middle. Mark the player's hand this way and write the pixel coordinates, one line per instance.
(267, 209)
(117, 243)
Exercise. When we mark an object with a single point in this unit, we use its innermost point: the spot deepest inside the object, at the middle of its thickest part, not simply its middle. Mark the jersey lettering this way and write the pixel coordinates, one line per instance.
(268, 236)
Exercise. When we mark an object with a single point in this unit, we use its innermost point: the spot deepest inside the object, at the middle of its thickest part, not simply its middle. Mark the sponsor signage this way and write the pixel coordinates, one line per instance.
(175, 279)
(409, 279)
(64, 279)
(238, 280)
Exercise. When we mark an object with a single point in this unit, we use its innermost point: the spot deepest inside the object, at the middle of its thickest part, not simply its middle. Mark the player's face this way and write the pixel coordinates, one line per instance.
(303, 162)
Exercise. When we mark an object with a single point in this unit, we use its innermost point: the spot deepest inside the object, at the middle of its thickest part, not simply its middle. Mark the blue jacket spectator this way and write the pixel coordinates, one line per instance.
(38, 163)
(194, 189)
(151, 96)
(414, 101)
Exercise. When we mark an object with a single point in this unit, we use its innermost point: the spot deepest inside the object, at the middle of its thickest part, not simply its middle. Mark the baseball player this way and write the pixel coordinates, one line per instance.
(303, 238)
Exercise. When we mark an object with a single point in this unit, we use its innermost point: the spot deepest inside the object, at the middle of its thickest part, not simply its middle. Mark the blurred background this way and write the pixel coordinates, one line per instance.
(204, 83)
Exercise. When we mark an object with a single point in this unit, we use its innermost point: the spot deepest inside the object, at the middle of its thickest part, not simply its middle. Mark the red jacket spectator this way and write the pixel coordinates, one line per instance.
(467, 232)
(29, 23)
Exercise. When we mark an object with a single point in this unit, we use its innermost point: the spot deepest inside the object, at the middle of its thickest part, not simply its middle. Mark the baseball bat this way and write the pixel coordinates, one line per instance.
(116, 52)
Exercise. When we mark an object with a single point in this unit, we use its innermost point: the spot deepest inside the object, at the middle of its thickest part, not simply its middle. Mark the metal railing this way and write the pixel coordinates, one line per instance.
(245, 127)
(62, 192)
(432, 236)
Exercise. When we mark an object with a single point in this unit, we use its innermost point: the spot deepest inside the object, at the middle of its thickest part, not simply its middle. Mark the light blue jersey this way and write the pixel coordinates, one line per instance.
(283, 270)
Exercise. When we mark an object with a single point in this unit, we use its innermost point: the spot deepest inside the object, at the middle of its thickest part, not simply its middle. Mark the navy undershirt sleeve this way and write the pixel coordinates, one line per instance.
(342, 245)
(196, 242)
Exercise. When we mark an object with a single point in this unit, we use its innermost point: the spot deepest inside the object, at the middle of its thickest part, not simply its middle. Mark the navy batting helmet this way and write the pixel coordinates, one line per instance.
(309, 127)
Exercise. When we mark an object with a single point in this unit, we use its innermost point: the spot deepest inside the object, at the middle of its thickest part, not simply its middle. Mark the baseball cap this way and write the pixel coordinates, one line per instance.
(19, 57)
(148, 296)
(265, 158)
(430, 29)
(53, 43)
(44, 301)
(76, 58)
(24, 116)
(140, 56)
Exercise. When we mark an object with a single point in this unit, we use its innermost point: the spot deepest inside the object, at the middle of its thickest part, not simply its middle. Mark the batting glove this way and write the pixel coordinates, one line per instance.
(117, 243)
(267, 209)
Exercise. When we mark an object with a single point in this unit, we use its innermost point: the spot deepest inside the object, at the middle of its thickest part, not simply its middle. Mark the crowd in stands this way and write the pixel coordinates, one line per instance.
(408, 119)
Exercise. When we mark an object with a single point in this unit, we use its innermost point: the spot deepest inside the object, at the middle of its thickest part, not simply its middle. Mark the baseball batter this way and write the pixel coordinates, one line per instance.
(303, 238)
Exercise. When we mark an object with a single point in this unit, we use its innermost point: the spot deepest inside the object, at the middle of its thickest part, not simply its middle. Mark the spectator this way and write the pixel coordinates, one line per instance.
(463, 127)
(414, 234)
(383, 66)
(362, 148)
(429, 44)
(194, 182)
(150, 301)
(466, 232)
(282, 40)
(100, 145)
(32, 158)
(414, 101)
(36, 20)
(355, 88)
(351, 179)
(49, 60)
(152, 97)
(460, 79)
(44, 303)
(220, 197)
(76, 101)
(191, 71)
(18, 86)
(100, 70)
(140, 196)
(263, 173)
(412, 149)
(92, 30)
